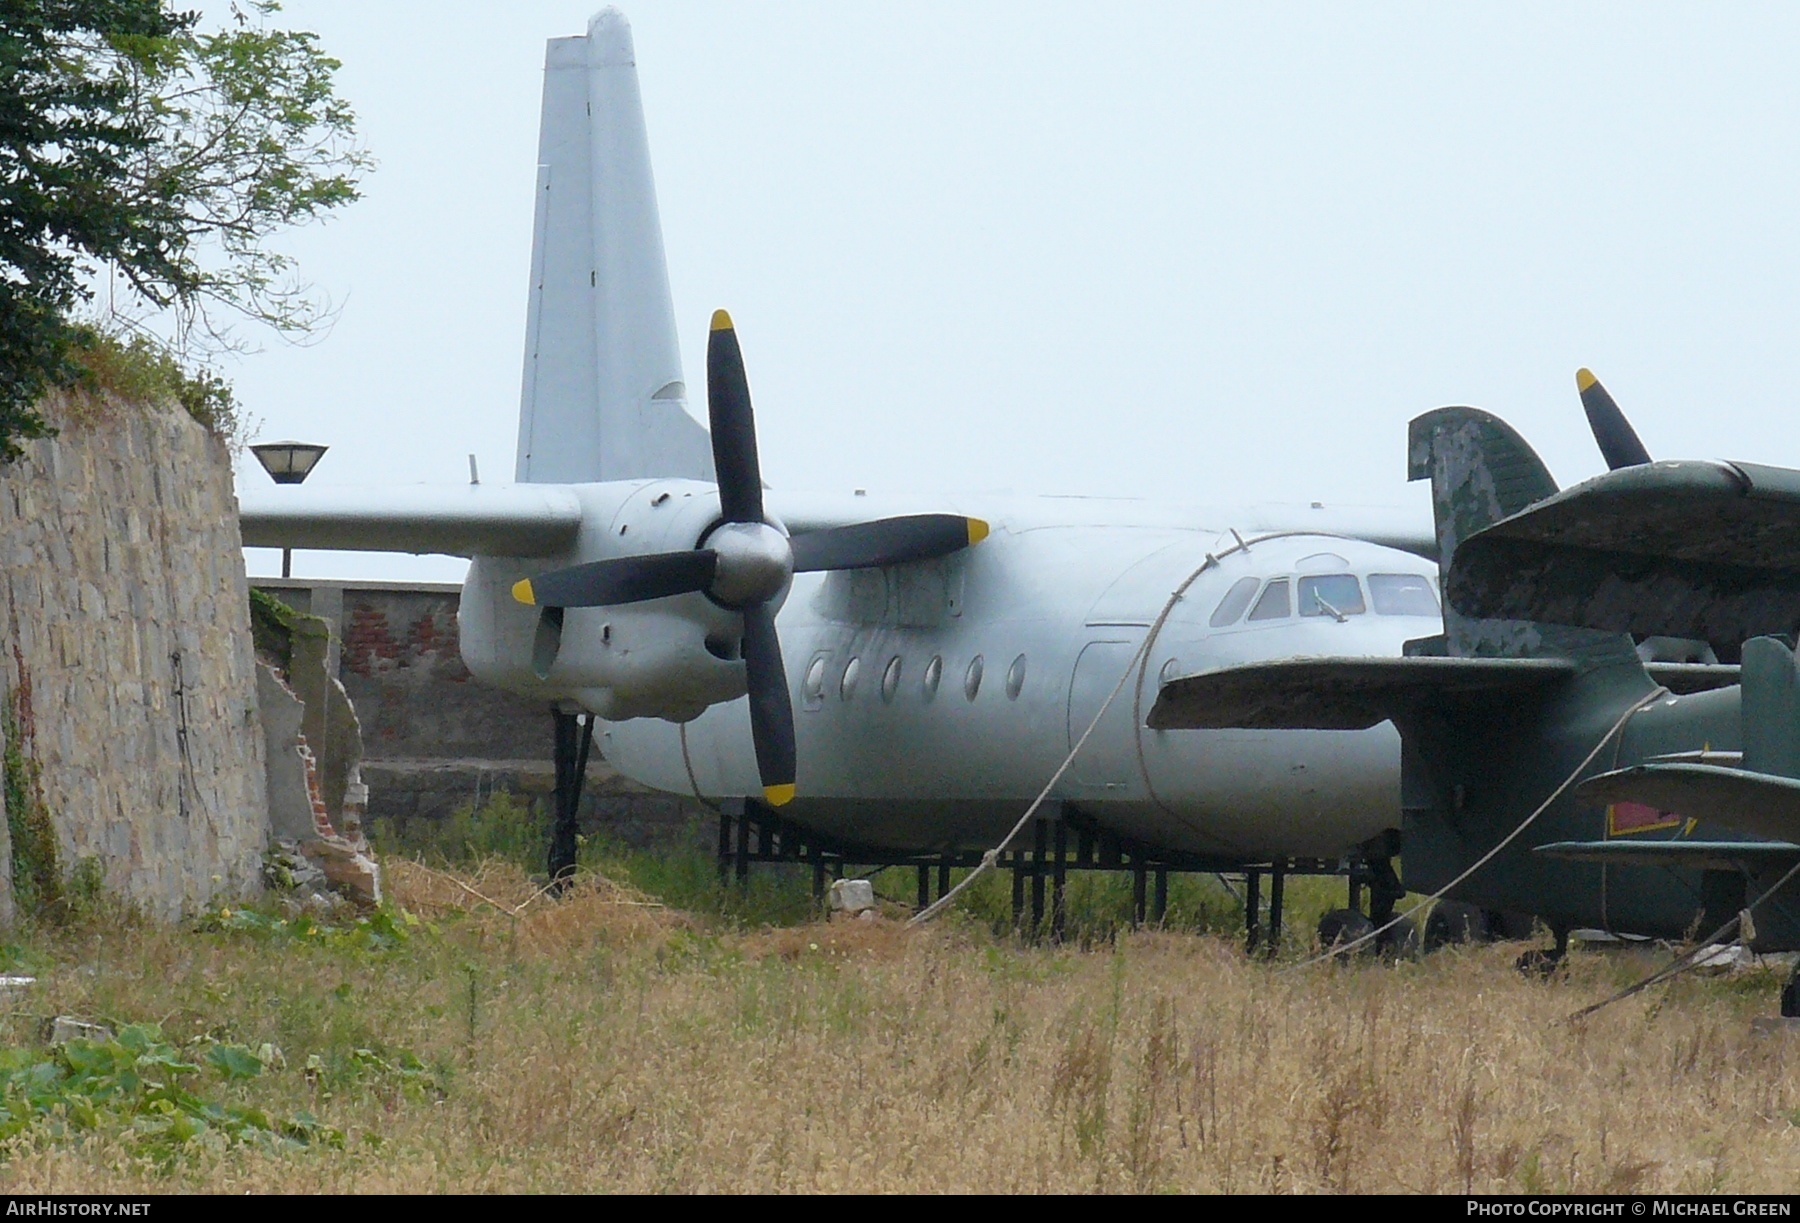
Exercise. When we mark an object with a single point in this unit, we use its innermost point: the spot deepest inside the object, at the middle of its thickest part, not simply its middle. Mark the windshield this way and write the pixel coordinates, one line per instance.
(1331, 594)
(1402, 594)
(1235, 601)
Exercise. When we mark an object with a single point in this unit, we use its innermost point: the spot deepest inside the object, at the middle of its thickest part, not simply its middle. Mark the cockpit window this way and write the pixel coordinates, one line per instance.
(1333, 594)
(1402, 594)
(1235, 601)
(1274, 602)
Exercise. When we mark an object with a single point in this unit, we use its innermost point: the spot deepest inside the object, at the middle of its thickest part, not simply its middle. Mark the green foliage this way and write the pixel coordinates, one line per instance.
(134, 145)
(36, 869)
(382, 930)
(138, 369)
(272, 627)
(136, 1086)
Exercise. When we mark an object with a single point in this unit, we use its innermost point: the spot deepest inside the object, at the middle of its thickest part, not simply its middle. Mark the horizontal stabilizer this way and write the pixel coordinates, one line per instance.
(1340, 693)
(1757, 803)
(456, 519)
(1700, 550)
(1688, 855)
(1682, 678)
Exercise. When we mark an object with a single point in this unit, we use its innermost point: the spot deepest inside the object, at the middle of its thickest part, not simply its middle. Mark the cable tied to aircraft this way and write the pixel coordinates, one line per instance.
(1135, 667)
(1693, 955)
(1343, 949)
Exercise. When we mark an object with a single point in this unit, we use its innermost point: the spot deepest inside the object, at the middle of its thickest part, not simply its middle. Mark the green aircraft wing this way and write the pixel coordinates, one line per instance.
(1681, 855)
(1761, 804)
(1701, 550)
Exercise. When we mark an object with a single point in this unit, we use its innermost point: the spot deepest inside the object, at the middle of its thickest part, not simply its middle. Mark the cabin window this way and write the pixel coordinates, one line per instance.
(1274, 602)
(890, 679)
(1402, 594)
(934, 671)
(972, 677)
(1235, 601)
(1015, 678)
(814, 683)
(1334, 594)
(847, 686)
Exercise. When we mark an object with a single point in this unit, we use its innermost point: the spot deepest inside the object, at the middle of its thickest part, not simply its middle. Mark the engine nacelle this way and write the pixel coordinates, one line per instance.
(665, 658)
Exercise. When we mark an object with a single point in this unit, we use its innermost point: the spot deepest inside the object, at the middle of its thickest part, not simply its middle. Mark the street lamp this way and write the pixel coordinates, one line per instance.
(288, 463)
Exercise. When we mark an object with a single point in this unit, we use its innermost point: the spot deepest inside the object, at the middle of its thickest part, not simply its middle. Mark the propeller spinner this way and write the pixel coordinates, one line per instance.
(744, 563)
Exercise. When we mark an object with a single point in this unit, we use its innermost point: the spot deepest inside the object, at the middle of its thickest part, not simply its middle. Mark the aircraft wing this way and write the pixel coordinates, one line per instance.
(1761, 804)
(1691, 855)
(1340, 693)
(460, 520)
(1700, 550)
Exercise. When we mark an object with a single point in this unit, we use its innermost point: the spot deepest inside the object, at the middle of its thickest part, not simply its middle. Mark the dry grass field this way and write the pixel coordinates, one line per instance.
(605, 1042)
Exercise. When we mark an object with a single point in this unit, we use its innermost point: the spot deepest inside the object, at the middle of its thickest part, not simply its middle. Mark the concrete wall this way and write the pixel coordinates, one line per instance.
(434, 738)
(127, 654)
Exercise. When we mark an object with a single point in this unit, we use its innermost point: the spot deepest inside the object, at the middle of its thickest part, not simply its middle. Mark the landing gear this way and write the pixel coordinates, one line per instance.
(574, 739)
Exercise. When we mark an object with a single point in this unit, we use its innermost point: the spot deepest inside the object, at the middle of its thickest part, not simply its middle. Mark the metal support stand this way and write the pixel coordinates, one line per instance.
(1018, 891)
(574, 737)
(944, 876)
(1039, 848)
(1277, 887)
(924, 885)
(1160, 913)
(1252, 910)
(1059, 880)
(742, 854)
(1139, 882)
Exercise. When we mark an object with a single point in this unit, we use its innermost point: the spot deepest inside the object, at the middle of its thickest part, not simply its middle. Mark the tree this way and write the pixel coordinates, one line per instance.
(136, 148)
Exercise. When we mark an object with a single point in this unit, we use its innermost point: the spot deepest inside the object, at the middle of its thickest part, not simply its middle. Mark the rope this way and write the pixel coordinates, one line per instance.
(1689, 958)
(1343, 949)
(1139, 656)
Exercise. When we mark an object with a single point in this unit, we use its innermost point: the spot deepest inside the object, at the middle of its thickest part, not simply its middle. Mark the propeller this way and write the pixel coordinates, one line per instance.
(744, 564)
(1618, 441)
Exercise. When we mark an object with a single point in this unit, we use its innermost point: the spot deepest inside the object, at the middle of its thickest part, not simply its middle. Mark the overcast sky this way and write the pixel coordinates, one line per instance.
(1201, 252)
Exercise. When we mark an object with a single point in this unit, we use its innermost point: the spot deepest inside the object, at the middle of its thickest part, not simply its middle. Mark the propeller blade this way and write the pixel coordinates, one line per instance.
(886, 541)
(771, 708)
(1618, 440)
(624, 579)
(733, 425)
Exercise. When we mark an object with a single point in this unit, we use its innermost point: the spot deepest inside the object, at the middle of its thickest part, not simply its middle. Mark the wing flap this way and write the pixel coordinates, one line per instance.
(1761, 804)
(1340, 693)
(458, 520)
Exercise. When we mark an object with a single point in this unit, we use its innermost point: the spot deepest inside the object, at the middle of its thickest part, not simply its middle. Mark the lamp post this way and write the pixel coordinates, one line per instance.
(288, 463)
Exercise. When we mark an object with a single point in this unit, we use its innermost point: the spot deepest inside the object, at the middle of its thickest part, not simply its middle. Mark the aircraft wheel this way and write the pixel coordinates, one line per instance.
(1399, 941)
(1452, 922)
(1340, 927)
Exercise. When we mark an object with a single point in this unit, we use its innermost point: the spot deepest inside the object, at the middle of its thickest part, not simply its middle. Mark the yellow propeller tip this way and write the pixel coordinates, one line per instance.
(721, 321)
(522, 592)
(978, 531)
(778, 796)
(1584, 378)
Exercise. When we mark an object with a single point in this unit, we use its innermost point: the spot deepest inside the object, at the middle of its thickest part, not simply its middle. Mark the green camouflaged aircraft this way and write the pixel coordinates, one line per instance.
(1658, 786)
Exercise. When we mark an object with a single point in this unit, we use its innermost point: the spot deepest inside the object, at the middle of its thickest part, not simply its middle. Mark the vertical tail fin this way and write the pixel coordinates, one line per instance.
(603, 396)
(1481, 471)
(1770, 707)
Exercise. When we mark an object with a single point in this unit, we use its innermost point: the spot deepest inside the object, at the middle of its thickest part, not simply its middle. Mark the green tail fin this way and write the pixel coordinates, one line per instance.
(1482, 471)
(1770, 707)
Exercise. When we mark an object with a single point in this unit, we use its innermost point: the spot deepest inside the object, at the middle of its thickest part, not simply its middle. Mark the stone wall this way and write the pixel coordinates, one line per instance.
(434, 738)
(128, 672)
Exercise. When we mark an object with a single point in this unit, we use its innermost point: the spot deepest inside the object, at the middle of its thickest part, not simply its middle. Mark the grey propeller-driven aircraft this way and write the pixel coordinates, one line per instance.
(905, 673)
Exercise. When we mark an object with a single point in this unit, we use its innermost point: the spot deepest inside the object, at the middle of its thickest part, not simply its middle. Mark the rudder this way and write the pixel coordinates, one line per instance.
(602, 395)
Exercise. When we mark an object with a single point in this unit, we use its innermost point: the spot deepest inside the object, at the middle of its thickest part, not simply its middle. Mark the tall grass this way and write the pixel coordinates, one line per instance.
(498, 1042)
